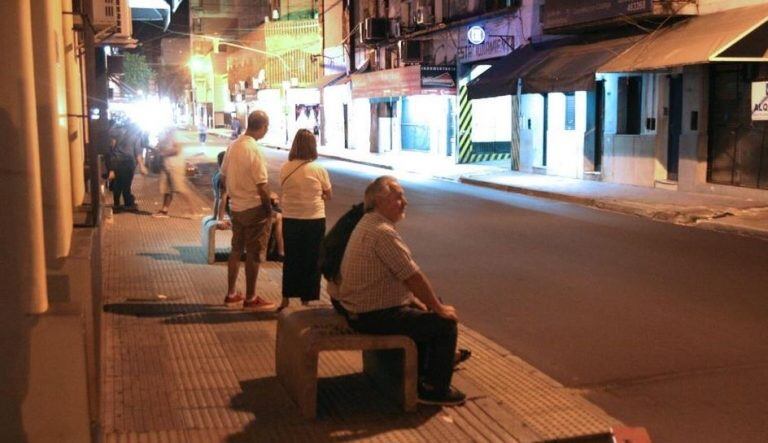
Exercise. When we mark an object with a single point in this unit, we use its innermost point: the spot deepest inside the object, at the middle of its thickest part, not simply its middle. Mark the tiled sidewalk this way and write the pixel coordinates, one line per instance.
(178, 366)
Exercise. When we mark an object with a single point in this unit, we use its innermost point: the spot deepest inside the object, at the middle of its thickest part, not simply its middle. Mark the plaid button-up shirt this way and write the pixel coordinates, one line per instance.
(376, 263)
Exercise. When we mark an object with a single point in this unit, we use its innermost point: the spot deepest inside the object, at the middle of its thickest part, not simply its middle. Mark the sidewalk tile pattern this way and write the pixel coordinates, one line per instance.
(179, 367)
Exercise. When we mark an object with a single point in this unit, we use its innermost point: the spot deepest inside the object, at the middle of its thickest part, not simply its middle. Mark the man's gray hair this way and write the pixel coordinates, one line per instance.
(377, 188)
(257, 120)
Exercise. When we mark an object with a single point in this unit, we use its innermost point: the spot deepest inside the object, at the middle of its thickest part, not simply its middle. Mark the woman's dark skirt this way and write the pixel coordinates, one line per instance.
(301, 274)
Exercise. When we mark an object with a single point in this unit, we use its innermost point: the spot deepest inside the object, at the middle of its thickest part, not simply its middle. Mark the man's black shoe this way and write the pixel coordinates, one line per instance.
(131, 208)
(453, 397)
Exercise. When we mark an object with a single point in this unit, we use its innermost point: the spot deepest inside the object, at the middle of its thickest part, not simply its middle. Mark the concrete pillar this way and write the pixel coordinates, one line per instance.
(52, 128)
(74, 107)
(21, 230)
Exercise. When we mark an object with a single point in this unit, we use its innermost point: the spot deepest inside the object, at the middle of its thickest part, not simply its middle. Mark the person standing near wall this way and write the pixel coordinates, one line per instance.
(124, 154)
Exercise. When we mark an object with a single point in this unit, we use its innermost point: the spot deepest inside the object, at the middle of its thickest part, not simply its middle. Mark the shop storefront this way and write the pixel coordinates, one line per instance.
(738, 125)
(485, 124)
(703, 83)
(556, 117)
(407, 109)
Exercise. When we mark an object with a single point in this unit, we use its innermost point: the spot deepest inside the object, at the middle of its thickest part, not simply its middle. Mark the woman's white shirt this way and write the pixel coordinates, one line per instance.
(303, 189)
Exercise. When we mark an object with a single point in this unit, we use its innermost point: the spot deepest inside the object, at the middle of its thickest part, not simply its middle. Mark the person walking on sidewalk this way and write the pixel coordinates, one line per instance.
(306, 186)
(244, 171)
(383, 291)
(171, 171)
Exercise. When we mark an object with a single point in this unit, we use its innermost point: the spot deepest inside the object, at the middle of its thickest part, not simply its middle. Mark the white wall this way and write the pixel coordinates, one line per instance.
(693, 143)
(360, 124)
(565, 148)
(628, 159)
(334, 98)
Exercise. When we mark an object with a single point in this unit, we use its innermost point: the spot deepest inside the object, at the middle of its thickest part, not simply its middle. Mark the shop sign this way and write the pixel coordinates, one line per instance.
(759, 101)
(472, 48)
(476, 35)
(438, 77)
(560, 13)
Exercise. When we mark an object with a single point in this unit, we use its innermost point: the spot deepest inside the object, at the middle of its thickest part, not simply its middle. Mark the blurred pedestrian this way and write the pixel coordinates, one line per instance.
(244, 170)
(124, 154)
(202, 131)
(306, 186)
(172, 170)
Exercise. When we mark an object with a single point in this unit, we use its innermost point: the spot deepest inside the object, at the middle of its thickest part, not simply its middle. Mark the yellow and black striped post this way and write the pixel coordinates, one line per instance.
(466, 154)
(465, 125)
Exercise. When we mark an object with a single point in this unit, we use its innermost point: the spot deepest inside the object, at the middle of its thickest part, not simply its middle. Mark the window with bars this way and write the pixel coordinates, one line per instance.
(629, 105)
(570, 111)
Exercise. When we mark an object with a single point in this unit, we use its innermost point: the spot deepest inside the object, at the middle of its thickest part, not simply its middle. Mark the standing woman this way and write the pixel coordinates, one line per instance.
(306, 186)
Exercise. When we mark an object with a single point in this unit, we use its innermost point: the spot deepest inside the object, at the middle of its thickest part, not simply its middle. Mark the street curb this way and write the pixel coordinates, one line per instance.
(745, 231)
(337, 157)
(715, 224)
(585, 201)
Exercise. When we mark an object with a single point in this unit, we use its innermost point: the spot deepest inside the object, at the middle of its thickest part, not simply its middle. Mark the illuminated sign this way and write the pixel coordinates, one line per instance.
(760, 101)
(476, 35)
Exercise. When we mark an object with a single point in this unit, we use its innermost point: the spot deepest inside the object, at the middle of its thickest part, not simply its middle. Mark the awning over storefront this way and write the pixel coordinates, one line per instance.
(331, 80)
(405, 81)
(734, 35)
(551, 67)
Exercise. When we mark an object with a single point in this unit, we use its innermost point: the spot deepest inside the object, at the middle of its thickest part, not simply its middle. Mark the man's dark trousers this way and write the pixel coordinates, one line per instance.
(435, 337)
(124, 171)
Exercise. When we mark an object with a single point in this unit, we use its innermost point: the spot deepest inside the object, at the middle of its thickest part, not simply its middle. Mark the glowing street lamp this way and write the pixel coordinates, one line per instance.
(199, 64)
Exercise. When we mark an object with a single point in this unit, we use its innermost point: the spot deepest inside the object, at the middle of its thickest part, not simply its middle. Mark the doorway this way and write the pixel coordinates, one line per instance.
(595, 118)
(675, 125)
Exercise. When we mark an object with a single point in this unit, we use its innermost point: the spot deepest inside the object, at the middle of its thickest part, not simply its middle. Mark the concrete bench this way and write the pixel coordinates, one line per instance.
(208, 228)
(389, 360)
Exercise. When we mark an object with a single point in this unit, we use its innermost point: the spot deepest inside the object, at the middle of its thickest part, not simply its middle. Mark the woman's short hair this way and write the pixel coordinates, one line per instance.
(377, 188)
(304, 146)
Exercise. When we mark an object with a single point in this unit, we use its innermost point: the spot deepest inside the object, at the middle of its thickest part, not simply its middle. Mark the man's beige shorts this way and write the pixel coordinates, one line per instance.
(249, 229)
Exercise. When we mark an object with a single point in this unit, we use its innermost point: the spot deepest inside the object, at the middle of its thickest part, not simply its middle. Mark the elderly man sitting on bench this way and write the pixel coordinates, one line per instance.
(383, 291)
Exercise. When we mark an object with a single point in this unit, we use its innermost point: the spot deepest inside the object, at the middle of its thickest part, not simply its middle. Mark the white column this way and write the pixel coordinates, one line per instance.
(74, 106)
(21, 221)
(52, 128)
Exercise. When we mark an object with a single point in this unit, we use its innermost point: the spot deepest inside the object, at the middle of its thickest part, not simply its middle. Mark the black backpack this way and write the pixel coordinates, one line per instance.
(335, 242)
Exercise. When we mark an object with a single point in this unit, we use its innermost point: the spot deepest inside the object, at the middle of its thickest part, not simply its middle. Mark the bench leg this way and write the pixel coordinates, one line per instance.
(297, 371)
(396, 371)
(208, 239)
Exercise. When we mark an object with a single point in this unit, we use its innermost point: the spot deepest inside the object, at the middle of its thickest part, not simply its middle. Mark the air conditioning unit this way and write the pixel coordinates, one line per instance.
(410, 51)
(112, 22)
(374, 29)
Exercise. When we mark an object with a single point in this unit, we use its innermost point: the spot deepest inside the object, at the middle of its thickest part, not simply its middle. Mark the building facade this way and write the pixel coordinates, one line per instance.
(393, 73)
(648, 93)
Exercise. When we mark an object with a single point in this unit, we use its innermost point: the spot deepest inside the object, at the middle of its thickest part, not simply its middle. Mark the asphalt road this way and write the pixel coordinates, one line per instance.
(663, 326)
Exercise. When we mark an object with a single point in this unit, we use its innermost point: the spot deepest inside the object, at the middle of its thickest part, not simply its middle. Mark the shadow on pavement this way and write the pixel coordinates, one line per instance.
(158, 309)
(349, 409)
(187, 313)
(187, 254)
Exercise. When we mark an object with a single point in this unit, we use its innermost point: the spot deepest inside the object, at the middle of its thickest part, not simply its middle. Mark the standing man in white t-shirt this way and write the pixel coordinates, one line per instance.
(245, 174)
